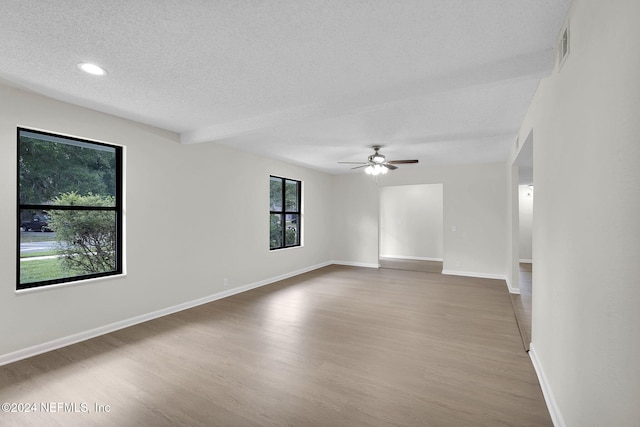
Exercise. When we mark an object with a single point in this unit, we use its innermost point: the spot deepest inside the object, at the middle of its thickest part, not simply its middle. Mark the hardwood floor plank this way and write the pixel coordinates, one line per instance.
(339, 346)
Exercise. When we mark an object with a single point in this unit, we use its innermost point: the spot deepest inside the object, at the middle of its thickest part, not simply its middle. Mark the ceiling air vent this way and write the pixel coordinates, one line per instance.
(563, 46)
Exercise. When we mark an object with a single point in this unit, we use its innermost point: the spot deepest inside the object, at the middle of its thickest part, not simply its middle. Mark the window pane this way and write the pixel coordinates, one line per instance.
(79, 243)
(50, 166)
(275, 194)
(275, 231)
(292, 236)
(291, 196)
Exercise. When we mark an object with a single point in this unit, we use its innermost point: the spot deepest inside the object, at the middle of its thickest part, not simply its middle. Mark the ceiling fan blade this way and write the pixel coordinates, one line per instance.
(353, 163)
(401, 162)
(363, 166)
(390, 166)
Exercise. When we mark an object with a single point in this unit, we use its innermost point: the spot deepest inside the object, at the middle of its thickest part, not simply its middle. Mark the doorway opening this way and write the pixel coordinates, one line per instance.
(523, 235)
(411, 227)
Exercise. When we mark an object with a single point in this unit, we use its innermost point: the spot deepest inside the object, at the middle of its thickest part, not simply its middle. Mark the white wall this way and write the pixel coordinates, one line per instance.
(355, 220)
(526, 222)
(474, 200)
(586, 233)
(411, 221)
(169, 188)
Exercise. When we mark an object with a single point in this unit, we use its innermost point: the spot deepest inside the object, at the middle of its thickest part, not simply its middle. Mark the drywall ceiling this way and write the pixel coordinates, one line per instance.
(310, 82)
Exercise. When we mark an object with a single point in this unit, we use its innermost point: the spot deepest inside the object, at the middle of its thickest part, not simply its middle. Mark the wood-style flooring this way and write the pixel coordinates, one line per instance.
(411, 264)
(338, 346)
(522, 304)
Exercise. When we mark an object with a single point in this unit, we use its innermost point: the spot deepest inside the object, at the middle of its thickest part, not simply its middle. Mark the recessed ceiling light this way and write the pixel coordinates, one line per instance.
(90, 68)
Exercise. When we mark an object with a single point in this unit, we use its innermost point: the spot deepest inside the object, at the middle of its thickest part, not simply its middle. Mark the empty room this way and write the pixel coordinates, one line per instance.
(320, 213)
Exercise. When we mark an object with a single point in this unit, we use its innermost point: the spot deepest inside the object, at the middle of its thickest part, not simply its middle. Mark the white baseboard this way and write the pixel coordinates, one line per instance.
(415, 258)
(355, 264)
(512, 290)
(473, 274)
(554, 410)
(112, 327)
(526, 261)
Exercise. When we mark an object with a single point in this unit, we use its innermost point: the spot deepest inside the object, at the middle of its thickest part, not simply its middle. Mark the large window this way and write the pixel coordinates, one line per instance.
(69, 209)
(284, 217)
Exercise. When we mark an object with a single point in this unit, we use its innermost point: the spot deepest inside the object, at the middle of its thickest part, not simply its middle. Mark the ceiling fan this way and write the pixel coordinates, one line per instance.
(376, 163)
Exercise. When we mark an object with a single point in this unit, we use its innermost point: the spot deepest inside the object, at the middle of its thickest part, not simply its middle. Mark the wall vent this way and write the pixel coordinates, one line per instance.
(563, 46)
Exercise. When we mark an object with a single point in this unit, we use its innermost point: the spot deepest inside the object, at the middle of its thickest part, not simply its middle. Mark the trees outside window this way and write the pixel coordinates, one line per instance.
(285, 200)
(70, 189)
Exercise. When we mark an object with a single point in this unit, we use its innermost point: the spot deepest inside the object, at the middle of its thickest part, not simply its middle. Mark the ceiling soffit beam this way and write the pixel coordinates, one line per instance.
(536, 65)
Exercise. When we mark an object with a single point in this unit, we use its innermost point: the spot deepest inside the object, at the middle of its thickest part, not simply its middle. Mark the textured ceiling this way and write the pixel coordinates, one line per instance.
(311, 82)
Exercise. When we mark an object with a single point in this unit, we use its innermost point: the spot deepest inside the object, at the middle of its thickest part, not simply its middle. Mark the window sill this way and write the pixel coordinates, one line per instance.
(288, 248)
(68, 284)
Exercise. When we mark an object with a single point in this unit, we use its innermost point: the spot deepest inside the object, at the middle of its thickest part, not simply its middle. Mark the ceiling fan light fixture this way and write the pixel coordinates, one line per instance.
(376, 169)
(377, 164)
(377, 158)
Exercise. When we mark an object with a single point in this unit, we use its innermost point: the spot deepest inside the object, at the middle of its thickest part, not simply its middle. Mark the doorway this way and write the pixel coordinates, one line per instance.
(522, 235)
(411, 227)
